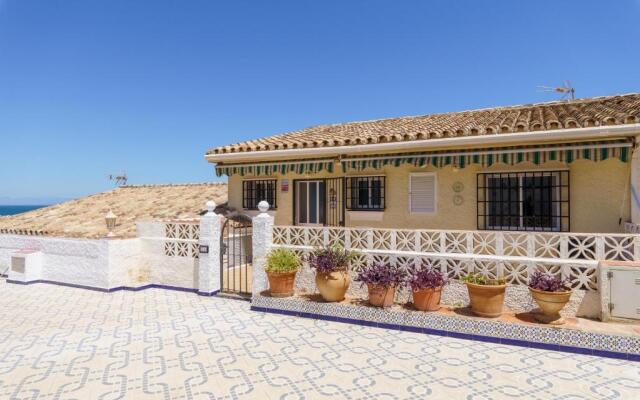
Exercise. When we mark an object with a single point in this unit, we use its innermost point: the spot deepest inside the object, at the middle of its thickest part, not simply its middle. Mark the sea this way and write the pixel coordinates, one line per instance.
(11, 210)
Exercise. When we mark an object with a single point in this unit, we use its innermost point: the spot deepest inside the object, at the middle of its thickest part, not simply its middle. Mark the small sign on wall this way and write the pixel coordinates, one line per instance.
(284, 185)
(203, 249)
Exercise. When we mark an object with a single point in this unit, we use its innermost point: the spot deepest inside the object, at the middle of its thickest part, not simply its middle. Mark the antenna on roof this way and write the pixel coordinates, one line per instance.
(567, 90)
(120, 179)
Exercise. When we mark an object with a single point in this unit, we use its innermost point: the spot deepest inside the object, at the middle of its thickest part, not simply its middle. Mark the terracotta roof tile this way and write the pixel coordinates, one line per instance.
(84, 217)
(595, 111)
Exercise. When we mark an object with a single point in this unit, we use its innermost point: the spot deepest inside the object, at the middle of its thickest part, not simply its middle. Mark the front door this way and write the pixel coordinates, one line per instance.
(310, 202)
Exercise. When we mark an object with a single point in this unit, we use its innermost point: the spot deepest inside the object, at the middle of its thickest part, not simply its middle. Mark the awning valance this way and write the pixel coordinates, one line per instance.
(537, 154)
(276, 167)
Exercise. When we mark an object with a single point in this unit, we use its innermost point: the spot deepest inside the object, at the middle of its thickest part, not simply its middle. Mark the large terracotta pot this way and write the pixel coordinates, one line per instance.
(550, 303)
(381, 296)
(281, 283)
(333, 285)
(486, 300)
(427, 299)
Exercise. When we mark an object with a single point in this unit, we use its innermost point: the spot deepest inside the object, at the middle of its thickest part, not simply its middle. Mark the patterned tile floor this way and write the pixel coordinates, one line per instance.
(65, 343)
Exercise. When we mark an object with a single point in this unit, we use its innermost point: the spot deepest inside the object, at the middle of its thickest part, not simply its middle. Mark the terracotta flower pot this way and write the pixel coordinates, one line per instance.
(281, 283)
(427, 299)
(333, 285)
(550, 303)
(381, 296)
(486, 300)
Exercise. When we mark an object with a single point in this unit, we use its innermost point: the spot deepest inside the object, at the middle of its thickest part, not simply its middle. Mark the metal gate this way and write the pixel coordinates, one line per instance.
(335, 196)
(236, 255)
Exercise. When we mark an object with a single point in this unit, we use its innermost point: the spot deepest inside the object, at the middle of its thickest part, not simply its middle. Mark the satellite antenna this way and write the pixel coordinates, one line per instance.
(567, 90)
(120, 179)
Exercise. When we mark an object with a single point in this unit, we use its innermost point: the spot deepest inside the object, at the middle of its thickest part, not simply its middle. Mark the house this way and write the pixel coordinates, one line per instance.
(563, 166)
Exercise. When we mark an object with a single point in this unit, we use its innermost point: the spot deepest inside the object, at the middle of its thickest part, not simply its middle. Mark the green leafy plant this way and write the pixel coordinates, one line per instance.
(282, 260)
(478, 279)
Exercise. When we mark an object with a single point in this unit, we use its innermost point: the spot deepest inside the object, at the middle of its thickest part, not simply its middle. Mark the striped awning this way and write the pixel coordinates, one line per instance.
(537, 154)
(278, 167)
(566, 153)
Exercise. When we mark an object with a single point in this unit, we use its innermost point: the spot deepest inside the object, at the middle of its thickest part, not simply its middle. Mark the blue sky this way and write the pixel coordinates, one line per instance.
(89, 88)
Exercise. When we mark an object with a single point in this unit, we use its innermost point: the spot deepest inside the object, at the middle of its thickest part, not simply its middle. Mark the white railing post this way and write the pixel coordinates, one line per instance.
(499, 244)
(209, 252)
(262, 242)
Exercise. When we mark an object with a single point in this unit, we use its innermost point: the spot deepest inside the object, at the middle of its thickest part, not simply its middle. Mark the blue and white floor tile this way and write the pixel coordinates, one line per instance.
(65, 343)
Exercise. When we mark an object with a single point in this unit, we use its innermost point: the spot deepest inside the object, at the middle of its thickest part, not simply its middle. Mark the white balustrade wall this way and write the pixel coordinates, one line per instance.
(494, 254)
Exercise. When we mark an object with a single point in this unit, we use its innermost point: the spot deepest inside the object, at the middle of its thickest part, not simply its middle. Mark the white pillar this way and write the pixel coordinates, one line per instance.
(209, 261)
(262, 240)
(635, 187)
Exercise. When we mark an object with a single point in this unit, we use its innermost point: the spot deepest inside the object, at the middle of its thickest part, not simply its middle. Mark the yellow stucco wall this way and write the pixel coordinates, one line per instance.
(598, 190)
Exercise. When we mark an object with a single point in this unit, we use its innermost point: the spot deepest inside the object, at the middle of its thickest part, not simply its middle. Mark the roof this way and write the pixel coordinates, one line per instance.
(85, 217)
(587, 112)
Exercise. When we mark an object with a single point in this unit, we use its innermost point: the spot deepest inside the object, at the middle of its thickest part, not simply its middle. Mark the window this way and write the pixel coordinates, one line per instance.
(422, 192)
(531, 201)
(254, 191)
(365, 193)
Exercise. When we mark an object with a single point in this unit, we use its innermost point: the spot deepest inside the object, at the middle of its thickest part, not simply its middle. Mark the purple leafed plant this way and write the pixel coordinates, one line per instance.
(329, 259)
(548, 283)
(425, 277)
(381, 274)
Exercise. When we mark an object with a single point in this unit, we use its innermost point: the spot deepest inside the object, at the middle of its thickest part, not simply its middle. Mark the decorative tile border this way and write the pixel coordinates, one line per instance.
(543, 337)
(118, 288)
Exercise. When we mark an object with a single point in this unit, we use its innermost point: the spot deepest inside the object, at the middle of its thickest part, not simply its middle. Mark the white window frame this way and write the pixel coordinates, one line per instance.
(435, 193)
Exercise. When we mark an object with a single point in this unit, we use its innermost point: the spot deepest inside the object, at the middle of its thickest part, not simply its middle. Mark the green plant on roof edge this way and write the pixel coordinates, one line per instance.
(282, 260)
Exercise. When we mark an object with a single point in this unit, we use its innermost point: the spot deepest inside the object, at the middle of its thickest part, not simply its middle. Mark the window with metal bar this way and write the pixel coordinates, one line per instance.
(254, 191)
(365, 193)
(524, 201)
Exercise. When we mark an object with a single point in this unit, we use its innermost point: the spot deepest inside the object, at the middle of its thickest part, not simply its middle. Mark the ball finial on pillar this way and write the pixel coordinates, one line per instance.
(211, 206)
(263, 206)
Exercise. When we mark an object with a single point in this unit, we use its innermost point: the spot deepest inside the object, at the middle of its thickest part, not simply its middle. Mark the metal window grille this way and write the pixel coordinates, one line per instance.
(366, 193)
(524, 201)
(254, 191)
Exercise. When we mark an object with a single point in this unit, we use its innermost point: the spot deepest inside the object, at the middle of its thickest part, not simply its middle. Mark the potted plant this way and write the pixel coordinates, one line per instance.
(426, 285)
(382, 280)
(332, 277)
(486, 295)
(282, 266)
(552, 293)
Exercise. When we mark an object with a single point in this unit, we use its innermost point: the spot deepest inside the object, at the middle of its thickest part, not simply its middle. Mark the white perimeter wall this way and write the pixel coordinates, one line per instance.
(159, 268)
(106, 263)
(76, 261)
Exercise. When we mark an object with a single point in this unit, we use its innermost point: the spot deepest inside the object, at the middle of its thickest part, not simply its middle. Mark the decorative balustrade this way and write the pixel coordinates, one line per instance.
(512, 255)
(181, 239)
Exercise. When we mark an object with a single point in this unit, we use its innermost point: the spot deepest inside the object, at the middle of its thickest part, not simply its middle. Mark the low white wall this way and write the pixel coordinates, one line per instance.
(74, 261)
(104, 263)
(162, 269)
(127, 263)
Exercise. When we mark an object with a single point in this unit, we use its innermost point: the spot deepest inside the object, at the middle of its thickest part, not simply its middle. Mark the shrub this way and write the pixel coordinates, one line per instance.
(425, 277)
(548, 283)
(329, 259)
(282, 260)
(381, 274)
(478, 279)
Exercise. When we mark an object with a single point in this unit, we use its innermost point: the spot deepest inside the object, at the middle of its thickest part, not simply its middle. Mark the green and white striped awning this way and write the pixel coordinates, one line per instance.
(278, 167)
(566, 153)
(537, 154)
